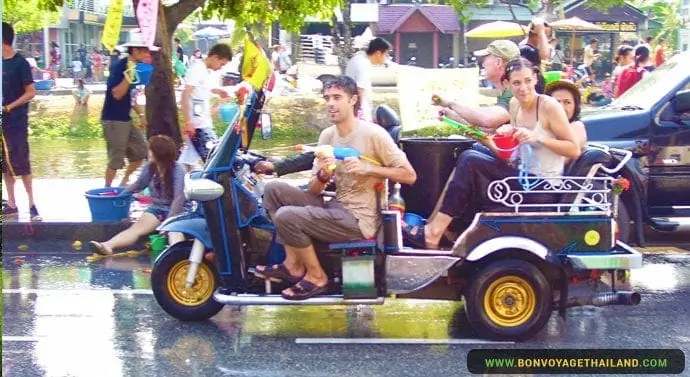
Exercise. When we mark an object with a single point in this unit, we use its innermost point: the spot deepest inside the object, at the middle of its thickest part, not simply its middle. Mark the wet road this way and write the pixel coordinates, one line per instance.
(64, 316)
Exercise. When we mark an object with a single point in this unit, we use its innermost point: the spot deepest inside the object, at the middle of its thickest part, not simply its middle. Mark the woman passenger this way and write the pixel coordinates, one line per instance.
(165, 179)
(568, 95)
(545, 137)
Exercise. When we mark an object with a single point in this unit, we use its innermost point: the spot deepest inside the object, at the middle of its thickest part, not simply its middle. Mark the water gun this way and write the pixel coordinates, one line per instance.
(339, 153)
(466, 130)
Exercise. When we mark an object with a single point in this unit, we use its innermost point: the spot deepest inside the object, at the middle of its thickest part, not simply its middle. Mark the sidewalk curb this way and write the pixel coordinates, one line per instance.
(60, 231)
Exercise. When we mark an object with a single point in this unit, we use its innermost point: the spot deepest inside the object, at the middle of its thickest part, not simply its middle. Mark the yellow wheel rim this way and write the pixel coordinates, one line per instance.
(198, 293)
(510, 301)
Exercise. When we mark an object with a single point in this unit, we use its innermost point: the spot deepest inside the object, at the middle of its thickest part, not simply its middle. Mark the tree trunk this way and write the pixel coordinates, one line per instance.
(343, 50)
(161, 104)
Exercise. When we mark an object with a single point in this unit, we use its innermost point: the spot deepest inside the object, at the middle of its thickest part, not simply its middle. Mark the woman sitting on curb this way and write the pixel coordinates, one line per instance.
(165, 179)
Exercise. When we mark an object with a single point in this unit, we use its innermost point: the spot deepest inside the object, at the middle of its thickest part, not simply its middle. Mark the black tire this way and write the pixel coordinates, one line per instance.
(624, 224)
(172, 261)
(513, 277)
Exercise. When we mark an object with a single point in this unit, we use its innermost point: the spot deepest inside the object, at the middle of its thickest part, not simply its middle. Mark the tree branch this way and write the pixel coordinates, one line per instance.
(177, 13)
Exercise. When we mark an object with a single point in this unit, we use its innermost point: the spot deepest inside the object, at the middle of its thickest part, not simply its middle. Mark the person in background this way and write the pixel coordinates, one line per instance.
(76, 70)
(97, 62)
(648, 43)
(625, 56)
(536, 47)
(660, 54)
(81, 104)
(17, 91)
(274, 57)
(591, 55)
(179, 50)
(54, 60)
(196, 104)
(284, 62)
(165, 180)
(558, 58)
(568, 95)
(607, 86)
(195, 56)
(123, 139)
(360, 67)
(636, 72)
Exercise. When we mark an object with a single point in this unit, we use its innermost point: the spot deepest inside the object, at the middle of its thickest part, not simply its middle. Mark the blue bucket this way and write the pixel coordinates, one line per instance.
(228, 111)
(106, 207)
(144, 71)
(413, 219)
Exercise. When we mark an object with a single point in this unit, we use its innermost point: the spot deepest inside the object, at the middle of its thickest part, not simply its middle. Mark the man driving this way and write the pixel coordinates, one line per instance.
(301, 217)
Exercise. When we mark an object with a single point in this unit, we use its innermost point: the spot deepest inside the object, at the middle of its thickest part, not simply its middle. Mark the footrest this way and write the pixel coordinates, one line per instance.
(352, 244)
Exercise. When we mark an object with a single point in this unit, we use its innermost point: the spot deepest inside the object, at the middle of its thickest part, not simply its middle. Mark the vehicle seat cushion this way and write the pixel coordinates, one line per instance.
(355, 244)
(589, 157)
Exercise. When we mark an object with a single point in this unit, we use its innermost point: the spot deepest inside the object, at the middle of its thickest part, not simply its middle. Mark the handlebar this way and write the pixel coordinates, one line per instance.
(626, 156)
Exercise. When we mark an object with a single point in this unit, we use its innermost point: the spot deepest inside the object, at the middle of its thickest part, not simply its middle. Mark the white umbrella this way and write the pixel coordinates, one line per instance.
(210, 32)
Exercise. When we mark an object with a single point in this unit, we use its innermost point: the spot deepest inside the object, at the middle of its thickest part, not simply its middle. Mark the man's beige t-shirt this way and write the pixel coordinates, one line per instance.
(588, 58)
(357, 193)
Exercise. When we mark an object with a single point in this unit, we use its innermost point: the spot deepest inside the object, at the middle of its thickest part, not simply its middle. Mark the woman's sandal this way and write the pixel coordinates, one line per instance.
(277, 273)
(98, 248)
(417, 238)
(304, 290)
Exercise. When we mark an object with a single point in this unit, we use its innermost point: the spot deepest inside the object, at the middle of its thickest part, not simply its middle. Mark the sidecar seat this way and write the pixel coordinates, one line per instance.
(582, 166)
(389, 119)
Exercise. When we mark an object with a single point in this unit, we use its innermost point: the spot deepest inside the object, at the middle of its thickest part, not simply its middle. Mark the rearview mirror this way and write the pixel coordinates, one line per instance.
(266, 126)
(682, 102)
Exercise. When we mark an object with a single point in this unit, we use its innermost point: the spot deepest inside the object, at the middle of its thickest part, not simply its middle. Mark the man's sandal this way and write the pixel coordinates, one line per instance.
(276, 273)
(304, 290)
(98, 248)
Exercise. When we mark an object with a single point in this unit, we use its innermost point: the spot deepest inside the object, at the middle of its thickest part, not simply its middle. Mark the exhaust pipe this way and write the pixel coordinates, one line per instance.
(249, 299)
(606, 299)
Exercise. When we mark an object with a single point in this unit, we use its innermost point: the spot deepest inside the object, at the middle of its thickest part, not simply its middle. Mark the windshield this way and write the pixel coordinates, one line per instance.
(654, 86)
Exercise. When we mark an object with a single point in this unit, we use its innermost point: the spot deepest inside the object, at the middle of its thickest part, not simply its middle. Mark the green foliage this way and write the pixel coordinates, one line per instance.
(668, 14)
(26, 16)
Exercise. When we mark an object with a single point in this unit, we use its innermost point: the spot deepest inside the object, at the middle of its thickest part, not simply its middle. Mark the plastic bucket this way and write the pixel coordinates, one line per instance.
(552, 76)
(413, 219)
(228, 112)
(158, 243)
(106, 204)
(505, 145)
(144, 71)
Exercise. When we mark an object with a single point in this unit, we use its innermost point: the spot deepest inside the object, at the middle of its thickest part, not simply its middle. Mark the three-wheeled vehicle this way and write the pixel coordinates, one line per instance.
(513, 265)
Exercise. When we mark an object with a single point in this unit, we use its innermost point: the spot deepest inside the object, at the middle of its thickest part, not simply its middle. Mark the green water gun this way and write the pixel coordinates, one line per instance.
(466, 130)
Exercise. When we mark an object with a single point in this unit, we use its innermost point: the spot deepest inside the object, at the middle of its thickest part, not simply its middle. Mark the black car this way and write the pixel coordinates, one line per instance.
(652, 119)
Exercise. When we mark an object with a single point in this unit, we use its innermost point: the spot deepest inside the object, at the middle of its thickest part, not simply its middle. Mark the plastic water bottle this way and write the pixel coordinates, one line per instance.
(396, 201)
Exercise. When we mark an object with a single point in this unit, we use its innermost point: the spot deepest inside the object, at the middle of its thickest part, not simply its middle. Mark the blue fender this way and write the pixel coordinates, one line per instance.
(194, 226)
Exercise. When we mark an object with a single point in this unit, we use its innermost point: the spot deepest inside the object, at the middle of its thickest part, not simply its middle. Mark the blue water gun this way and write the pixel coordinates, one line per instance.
(339, 153)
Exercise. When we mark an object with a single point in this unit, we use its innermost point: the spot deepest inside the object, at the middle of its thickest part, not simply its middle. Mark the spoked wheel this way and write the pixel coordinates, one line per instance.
(509, 299)
(168, 277)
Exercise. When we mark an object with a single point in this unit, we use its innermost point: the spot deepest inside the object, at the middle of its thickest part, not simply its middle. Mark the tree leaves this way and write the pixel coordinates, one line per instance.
(27, 16)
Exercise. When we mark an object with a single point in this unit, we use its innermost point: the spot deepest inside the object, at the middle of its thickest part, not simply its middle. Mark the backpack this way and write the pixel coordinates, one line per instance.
(629, 77)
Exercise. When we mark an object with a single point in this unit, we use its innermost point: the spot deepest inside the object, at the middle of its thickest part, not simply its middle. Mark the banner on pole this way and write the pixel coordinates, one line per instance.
(113, 25)
(147, 16)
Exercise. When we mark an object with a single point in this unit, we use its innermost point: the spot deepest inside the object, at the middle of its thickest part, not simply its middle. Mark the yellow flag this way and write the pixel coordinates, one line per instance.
(113, 24)
(256, 68)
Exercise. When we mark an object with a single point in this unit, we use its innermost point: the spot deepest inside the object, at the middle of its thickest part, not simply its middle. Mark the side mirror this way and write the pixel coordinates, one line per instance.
(266, 126)
(682, 102)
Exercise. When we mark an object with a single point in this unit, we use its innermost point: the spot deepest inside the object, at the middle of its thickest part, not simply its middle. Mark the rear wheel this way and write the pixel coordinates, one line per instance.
(168, 283)
(508, 299)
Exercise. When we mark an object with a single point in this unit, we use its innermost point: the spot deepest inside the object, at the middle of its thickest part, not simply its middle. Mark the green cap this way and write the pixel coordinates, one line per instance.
(502, 48)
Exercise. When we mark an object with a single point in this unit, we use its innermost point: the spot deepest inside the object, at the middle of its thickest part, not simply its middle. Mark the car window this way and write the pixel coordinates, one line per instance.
(654, 86)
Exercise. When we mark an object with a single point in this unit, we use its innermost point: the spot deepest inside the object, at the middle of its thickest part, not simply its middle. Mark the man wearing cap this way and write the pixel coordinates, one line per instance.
(122, 138)
(496, 55)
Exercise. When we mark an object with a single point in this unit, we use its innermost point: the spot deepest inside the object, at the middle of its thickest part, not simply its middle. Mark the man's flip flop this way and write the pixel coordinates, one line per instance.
(277, 273)
(98, 248)
(304, 290)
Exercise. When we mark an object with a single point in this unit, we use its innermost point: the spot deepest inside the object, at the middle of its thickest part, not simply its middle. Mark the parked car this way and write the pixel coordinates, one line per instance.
(652, 119)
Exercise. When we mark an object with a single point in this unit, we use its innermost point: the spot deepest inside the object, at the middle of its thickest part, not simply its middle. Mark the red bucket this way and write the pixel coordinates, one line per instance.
(505, 146)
